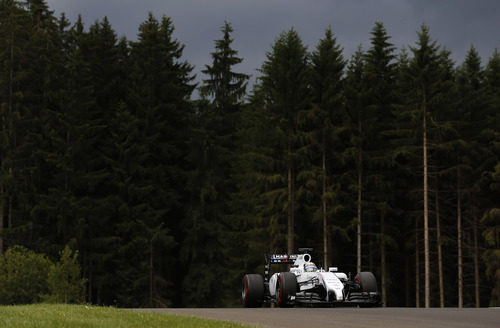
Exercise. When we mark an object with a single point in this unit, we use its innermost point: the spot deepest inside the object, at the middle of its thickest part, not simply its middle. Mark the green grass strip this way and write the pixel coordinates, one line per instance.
(72, 316)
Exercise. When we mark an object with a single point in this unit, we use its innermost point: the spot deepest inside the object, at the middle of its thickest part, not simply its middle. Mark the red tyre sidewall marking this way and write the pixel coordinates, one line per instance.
(280, 299)
(359, 282)
(246, 290)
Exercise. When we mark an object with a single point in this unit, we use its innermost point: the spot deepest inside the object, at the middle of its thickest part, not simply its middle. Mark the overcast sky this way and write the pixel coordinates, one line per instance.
(455, 24)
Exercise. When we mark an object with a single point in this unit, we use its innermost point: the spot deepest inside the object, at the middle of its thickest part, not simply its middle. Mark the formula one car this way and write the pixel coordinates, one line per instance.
(307, 285)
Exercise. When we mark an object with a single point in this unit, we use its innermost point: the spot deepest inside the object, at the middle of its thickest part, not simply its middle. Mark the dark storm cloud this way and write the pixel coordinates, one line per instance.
(458, 24)
(455, 24)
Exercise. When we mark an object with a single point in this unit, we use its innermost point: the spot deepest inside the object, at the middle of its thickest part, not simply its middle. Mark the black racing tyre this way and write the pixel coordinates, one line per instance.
(252, 291)
(286, 287)
(366, 281)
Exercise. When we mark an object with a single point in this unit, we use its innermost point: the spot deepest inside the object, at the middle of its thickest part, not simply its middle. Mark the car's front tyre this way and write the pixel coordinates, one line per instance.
(368, 285)
(366, 281)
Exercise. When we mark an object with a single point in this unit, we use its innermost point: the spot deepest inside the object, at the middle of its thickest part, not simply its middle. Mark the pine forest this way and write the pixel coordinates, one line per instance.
(169, 190)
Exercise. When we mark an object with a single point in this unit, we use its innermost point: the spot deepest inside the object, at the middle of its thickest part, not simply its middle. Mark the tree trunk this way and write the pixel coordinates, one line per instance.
(459, 242)
(358, 232)
(360, 190)
(382, 258)
(325, 219)
(290, 196)
(407, 277)
(417, 267)
(1, 220)
(9, 214)
(10, 127)
(90, 294)
(439, 250)
(476, 262)
(370, 252)
(11, 74)
(426, 212)
(151, 272)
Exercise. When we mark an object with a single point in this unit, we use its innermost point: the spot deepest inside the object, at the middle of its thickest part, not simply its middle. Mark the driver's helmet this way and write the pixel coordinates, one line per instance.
(310, 267)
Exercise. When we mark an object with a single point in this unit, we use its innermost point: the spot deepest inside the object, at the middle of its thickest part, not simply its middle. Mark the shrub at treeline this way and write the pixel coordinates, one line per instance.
(385, 162)
(27, 277)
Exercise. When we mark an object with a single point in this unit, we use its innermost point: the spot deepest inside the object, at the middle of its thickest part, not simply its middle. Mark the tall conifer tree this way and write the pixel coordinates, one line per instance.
(285, 85)
(380, 83)
(442, 133)
(491, 217)
(225, 86)
(160, 96)
(356, 108)
(424, 73)
(14, 34)
(476, 158)
(212, 231)
(326, 83)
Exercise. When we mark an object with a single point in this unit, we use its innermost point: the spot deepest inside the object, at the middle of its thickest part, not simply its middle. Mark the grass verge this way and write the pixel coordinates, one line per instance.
(72, 316)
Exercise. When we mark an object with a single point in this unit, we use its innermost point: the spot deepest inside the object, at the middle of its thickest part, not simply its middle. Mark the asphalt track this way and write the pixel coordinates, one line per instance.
(350, 317)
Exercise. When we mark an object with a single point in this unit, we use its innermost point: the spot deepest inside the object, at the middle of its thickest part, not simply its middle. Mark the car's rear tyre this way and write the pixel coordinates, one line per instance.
(286, 287)
(366, 281)
(252, 291)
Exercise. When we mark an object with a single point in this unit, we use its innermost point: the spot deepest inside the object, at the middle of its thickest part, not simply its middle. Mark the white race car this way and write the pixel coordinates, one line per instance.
(305, 284)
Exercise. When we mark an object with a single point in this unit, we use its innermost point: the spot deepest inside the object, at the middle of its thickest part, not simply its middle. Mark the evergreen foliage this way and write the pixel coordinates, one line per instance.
(357, 119)
(213, 235)
(380, 175)
(286, 94)
(325, 130)
(160, 98)
(424, 69)
(170, 200)
(491, 235)
(225, 86)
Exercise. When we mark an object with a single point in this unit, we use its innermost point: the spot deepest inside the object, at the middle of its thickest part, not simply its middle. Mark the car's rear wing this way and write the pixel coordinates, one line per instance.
(288, 258)
(284, 259)
(281, 258)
